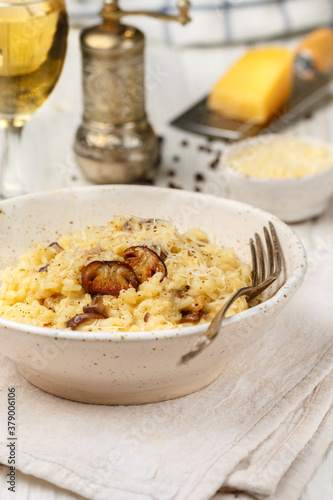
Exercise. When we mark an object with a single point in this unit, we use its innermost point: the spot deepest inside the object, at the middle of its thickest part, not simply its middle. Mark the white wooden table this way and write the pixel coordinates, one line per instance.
(175, 80)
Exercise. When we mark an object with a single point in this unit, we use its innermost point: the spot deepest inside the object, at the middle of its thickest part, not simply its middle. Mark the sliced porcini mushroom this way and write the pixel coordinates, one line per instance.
(190, 317)
(96, 306)
(44, 269)
(108, 277)
(97, 299)
(56, 246)
(192, 312)
(144, 262)
(158, 249)
(80, 319)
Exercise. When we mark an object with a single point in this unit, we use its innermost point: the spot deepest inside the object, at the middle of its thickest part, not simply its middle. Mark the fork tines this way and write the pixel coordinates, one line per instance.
(273, 256)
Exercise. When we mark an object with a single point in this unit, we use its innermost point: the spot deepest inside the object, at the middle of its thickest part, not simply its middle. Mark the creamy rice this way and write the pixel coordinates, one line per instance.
(45, 289)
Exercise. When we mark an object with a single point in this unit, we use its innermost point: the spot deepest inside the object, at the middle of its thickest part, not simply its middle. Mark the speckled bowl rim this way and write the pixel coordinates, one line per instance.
(263, 139)
(287, 289)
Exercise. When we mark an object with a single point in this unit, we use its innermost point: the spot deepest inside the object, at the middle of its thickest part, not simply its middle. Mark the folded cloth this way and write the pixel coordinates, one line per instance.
(260, 429)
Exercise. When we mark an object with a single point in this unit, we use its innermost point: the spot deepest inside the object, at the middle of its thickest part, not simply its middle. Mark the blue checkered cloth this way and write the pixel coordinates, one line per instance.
(226, 21)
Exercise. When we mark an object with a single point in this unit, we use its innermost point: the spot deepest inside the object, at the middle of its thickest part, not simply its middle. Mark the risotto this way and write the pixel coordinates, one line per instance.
(130, 275)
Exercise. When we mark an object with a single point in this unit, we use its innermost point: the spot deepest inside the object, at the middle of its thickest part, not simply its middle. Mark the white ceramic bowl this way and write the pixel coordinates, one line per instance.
(132, 368)
(291, 200)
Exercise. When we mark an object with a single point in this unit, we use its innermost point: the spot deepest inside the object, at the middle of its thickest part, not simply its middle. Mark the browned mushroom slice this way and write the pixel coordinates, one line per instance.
(96, 306)
(190, 317)
(80, 319)
(160, 251)
(192, 312)
(56, 246)
(44, 268)
(108, 277)
(144, 262)
(96, 299)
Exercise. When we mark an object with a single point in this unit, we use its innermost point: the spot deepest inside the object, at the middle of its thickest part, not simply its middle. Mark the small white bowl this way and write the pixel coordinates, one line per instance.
(135, 367)
(290, 199)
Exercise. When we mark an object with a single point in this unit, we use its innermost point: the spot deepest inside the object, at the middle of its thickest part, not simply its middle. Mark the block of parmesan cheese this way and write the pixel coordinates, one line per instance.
(256, 86)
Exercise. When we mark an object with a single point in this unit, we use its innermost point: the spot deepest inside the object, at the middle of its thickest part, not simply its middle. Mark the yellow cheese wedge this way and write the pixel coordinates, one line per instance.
(256, 86)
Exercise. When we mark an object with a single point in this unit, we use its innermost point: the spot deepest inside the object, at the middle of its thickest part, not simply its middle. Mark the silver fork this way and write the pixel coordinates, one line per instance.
(262, 278)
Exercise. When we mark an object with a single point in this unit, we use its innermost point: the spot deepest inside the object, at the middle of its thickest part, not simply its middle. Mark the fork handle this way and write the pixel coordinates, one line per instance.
(251, 293)
(213, 329)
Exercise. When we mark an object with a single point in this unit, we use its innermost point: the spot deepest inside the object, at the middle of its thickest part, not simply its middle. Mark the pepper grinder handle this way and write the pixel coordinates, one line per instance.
(112, 12)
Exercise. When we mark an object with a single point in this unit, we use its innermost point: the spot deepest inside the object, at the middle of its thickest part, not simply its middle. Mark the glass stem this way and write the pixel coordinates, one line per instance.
(11, 182)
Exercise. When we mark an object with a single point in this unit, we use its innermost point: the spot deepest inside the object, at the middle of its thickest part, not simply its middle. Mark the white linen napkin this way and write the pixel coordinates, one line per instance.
(261, 429)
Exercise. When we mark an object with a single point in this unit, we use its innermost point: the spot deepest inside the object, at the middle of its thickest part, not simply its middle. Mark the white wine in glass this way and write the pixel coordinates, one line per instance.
(33, 40)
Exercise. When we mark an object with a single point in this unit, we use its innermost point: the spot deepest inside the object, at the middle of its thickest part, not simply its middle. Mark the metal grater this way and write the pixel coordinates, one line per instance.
(202, 120)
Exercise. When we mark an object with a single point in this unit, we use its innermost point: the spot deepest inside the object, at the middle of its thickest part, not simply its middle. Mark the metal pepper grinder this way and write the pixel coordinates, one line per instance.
(115, 143)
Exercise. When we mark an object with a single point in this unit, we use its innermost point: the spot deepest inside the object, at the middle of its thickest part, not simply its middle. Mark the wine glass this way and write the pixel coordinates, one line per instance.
(33, 41)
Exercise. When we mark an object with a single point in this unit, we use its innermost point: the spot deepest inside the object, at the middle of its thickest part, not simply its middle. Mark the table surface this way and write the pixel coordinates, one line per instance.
(175, 79)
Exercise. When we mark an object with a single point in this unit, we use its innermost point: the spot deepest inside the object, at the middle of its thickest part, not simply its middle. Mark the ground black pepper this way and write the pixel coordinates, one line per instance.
(199, 177)
(172, 185)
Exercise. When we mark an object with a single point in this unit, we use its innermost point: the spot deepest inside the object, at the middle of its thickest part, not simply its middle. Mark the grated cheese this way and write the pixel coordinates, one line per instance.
(285, 158)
